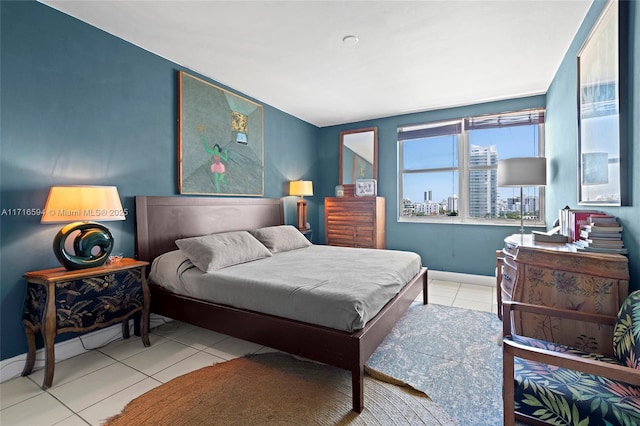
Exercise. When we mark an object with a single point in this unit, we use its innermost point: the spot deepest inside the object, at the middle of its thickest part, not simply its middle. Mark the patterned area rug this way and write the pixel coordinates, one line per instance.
(277, 389)
(452, 355)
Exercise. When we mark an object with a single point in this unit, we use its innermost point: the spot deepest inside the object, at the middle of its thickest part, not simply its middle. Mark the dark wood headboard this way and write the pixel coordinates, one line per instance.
(162, 220)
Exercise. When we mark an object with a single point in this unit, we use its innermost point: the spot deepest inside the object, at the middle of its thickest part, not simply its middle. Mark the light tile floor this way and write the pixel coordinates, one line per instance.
(91, 387)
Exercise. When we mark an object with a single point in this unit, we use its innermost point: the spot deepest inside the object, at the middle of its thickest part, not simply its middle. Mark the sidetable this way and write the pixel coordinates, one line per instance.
(61, 301)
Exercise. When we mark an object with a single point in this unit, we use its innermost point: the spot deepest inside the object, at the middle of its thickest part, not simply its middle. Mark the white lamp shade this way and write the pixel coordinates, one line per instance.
(301, 187)
(82, 203)
(522, 171)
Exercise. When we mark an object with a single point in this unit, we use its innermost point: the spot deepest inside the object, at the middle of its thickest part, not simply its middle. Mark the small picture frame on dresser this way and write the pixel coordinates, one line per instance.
(366, 188)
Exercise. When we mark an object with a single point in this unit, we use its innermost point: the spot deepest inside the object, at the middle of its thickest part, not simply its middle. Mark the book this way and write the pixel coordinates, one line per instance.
(601, 242)
(587, 233)
(551, 236)
(604, 224)
(601, 235)
(577, 219)
(601, 249)
(604, 220)
(563, 220)
(599, 228)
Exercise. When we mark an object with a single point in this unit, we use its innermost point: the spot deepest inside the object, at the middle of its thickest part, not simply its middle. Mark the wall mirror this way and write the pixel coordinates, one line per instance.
(358, 155)
(602, 110)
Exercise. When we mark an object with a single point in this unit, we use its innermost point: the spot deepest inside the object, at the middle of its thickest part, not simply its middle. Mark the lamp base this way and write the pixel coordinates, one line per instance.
(302, 214)
(92, 245)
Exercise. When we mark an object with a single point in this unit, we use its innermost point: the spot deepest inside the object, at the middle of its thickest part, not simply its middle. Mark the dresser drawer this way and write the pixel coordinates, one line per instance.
(341, 236)
(508, 280)
(99, 300)
(351, 236)
(336, 219)
(510, 262)
(351, 206)
(364, 236)
(510, 249)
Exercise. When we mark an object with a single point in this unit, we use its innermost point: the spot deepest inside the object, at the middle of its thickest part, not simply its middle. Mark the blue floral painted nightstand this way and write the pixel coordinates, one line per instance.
(60, 301)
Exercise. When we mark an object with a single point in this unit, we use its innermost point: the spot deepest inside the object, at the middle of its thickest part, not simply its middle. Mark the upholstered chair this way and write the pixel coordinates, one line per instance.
(549, 383)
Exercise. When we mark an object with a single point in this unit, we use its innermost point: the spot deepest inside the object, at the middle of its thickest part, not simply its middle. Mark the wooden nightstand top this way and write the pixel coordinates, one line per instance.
(61, 274)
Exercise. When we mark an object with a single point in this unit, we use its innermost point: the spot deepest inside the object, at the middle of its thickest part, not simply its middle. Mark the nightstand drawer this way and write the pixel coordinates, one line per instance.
(508, 279)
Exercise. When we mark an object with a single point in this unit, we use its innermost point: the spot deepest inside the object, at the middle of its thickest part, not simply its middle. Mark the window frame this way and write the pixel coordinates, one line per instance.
(463, 169)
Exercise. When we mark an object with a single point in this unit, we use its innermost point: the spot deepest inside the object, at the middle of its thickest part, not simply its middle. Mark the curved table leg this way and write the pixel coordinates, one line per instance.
(31, 354)
(49, 332)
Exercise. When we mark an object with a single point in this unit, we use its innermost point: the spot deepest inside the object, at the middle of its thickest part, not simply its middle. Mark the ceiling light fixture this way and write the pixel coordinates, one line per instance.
(350, 40)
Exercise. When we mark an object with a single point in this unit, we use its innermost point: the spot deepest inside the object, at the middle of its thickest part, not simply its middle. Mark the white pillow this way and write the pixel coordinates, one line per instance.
(216, 251)
(281, 238)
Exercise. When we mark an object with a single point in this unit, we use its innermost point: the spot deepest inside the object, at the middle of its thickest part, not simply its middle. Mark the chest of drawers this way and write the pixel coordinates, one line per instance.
(355, 222)
(557, 275)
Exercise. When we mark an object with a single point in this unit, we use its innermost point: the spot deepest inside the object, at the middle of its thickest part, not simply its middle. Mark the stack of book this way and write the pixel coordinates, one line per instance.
(602, 234)
(572, 220)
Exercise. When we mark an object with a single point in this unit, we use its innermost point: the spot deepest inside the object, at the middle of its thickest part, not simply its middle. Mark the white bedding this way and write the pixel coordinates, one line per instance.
(336, 287)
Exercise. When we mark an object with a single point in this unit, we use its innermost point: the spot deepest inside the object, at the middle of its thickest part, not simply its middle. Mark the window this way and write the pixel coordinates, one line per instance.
(448, 170)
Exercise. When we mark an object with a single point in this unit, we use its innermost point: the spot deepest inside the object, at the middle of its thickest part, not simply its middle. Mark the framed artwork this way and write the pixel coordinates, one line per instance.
(220, 141)
(366, 188)
(603, 111)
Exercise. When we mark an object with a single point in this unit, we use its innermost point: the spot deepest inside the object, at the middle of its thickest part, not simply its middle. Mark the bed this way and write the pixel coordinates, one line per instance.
(160, 221)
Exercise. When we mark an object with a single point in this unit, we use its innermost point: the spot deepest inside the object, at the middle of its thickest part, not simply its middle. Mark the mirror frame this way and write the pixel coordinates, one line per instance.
(375, 151)
(603, 170)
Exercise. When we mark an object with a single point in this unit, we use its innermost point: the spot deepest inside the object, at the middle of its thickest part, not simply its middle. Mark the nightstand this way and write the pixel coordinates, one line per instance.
(60, 301)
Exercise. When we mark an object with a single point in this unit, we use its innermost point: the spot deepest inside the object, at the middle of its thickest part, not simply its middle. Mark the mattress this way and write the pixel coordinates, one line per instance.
(336, 287)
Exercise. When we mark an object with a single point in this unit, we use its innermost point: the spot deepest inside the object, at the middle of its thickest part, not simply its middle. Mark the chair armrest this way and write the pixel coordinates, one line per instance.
(570, 361)
(510, 306)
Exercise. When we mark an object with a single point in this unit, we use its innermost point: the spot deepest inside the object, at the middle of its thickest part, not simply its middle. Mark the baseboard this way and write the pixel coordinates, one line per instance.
(463, 278)
(11, 368)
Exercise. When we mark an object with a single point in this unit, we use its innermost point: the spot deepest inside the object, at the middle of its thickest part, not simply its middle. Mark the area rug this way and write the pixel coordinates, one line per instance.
(277, 389)
(450, 354)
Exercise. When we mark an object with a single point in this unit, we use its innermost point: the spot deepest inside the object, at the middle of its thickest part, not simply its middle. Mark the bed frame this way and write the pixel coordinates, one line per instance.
(162, 220)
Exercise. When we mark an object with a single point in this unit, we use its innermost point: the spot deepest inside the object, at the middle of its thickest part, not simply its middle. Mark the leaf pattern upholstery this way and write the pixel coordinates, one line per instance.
(626, 334)
(561, 396)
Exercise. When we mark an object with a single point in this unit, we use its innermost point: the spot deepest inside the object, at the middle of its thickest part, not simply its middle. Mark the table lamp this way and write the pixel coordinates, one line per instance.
(83, 206)
(301, 188)
(522, 171)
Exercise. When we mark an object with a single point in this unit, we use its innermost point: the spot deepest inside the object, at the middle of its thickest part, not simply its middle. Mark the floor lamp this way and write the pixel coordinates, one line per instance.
(522, 171)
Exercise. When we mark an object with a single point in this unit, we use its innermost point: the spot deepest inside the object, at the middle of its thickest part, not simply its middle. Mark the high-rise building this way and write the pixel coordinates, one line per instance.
(452, 203)
(483, 183)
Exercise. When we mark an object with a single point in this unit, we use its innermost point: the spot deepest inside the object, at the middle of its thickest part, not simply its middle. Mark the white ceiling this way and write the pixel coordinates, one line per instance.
(411, 55)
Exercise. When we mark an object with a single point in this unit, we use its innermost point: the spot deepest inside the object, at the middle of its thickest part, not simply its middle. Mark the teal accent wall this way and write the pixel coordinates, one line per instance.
(453, 248)
(80, 106)
(562, 136)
